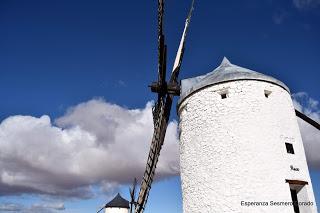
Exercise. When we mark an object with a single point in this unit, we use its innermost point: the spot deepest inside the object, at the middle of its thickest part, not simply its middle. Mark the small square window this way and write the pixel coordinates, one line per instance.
(223, 93)
(289, 147)
(267, 93)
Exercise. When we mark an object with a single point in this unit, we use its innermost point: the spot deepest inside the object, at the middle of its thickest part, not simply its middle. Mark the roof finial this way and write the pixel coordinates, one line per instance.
(225, 62)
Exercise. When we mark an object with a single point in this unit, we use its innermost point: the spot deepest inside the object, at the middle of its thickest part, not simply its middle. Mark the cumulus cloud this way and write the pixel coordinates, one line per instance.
(94, 143)
(54, 206)
(10, 207)
(310, 135)
(35, 208)
(306, 4)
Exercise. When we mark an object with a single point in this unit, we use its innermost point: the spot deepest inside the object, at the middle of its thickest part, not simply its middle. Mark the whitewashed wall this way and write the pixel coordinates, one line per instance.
(233, 149)
(117, 210)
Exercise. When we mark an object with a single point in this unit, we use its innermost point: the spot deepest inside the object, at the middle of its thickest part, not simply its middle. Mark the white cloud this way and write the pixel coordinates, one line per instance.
(121, 83)
(310, 135)
(10, 207)
(35, 208)
(306, 4)
(55, 206)
(94, 143)
(98, 143)
(280, 16)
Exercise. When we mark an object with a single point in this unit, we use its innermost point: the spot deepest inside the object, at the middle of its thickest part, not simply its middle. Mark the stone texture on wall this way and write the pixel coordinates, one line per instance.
(233, 149)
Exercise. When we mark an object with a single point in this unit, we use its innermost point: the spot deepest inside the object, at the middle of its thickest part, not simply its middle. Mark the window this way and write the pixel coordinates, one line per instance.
(223, 96)
(289, 147)
(267, 93)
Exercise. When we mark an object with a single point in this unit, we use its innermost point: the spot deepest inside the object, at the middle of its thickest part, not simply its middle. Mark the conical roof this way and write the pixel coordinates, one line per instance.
(226, 72)
(118, 202)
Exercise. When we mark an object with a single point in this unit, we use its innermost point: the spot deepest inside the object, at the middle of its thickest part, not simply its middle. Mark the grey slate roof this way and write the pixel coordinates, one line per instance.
(224, 73)
(118, 202)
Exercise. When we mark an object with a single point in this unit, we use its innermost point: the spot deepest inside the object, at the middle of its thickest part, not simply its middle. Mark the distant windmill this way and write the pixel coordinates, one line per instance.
(132, 192)
(120, 205)
(117, 205)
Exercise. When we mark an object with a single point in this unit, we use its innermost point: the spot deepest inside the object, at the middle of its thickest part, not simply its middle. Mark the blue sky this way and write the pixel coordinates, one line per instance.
(59, 54)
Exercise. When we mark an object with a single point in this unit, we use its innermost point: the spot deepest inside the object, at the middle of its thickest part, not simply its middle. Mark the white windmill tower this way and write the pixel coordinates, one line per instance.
(240, 143)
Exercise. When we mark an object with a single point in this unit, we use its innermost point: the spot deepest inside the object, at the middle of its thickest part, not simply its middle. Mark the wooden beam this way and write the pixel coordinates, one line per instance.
(308, 119)
(171, 88)
(297, 182)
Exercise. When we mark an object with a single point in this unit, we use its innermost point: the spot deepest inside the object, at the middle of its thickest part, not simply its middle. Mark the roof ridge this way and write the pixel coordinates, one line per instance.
(118, 201)
(225, 62)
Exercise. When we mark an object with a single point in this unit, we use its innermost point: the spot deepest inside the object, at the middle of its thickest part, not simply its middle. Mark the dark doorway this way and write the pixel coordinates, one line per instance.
(294, 197)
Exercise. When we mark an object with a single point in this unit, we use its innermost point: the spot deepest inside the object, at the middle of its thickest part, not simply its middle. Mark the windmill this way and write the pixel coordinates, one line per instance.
(132, 192)
(161, 111)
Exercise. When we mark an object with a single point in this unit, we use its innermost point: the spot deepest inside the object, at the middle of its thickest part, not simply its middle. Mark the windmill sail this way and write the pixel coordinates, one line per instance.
(161, 112)
(162, 49)
(179, 56)
(307, 119)
(100, 209)
(154, 153)
(132, 192)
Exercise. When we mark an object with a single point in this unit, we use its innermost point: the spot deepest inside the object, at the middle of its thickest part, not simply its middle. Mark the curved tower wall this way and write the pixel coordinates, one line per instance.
(116, 210)
(233, 150)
